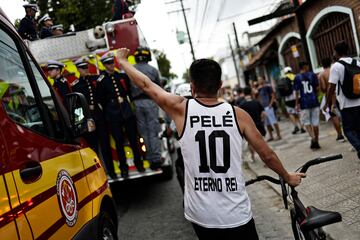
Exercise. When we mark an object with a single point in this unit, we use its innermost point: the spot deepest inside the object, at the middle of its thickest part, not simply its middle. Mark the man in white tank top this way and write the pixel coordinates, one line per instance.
(211, 135)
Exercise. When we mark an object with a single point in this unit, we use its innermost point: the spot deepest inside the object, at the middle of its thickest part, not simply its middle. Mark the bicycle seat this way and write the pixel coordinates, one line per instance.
(317, 218)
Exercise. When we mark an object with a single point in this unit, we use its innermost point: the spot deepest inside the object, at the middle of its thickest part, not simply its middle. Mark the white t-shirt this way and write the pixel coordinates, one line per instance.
(337, 73)
(211, 144)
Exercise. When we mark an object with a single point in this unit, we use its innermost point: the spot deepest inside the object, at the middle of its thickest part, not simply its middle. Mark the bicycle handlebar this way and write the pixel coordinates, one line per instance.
(262, 178)
(320, 160)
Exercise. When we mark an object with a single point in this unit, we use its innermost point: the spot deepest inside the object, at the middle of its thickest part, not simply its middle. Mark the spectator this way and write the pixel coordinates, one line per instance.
(256, 112)
(349, 108)
(267, 100)
(239, 96)
(290, 104)
(324, 83)
(306, 86)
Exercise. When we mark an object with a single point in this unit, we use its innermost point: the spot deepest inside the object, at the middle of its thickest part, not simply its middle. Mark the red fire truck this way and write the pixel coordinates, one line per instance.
(93, 43)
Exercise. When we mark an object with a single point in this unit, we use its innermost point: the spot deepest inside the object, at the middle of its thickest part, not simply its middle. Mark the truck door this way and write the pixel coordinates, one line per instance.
(45, 164)
(8, 228)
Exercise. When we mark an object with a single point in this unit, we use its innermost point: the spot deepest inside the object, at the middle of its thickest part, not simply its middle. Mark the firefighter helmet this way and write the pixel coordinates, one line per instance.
(142, 54)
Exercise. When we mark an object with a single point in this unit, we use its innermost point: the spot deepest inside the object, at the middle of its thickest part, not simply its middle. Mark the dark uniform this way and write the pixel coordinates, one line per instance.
(114, 90)
(27, 28)
(61, 84)
(88, 87)
(45, 30)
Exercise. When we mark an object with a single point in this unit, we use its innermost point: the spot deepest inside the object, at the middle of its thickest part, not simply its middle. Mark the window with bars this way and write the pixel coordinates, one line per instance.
(334, 27)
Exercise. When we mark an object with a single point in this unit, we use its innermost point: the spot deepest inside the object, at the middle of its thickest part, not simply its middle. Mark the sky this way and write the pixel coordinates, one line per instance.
(210, 22)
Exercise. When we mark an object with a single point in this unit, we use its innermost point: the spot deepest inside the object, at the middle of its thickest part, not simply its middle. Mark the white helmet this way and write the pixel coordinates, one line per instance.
(287, 69)
(183, 90)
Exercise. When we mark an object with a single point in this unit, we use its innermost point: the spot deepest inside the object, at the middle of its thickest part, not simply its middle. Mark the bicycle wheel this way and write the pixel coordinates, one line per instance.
(298, 235)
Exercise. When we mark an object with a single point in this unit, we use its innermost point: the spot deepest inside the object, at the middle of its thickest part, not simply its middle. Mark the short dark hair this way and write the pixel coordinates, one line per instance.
(326, 62)
(303, 64)
(239, 90)
(341, 48)
(206, 75)
(247, 90)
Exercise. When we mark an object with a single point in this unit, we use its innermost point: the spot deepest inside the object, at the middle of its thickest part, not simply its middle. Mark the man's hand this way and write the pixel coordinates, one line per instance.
(122, 54)
(294, 179)
(297, 108)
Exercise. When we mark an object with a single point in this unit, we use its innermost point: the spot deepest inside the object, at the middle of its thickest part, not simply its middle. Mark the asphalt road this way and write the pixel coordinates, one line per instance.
(151, 209)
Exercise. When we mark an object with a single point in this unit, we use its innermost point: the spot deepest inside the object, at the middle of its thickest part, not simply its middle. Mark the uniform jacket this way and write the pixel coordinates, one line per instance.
(115, 110)
(27, 28)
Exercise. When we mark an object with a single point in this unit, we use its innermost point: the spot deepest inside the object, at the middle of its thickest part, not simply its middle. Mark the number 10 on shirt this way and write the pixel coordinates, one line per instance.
(204, 166)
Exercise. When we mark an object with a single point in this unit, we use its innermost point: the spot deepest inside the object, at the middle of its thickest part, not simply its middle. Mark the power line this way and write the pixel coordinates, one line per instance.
(246, 12)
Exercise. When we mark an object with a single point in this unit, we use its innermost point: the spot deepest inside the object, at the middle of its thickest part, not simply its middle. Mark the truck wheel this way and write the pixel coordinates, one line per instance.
(107, 229)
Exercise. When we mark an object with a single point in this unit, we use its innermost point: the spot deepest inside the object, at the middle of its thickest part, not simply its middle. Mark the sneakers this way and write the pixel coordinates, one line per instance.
(314, 145)
(296, 130)
(302, 130)
(340, 138)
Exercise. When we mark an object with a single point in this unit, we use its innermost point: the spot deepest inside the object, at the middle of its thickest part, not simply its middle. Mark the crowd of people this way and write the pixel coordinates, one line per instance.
(117, 107)
(307, 97)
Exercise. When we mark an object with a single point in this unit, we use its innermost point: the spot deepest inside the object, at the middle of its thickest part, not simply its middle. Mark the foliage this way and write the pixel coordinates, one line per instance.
(185, 76)
(164, 65)
(83, 14)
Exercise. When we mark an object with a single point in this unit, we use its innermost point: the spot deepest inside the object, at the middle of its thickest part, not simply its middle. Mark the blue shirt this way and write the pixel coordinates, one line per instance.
(307, 84)
(265, 94)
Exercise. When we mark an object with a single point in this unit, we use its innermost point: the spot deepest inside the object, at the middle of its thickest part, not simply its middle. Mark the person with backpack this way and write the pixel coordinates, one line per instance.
(324, 84)
(306, 86)
(345, 79)
(286, 90)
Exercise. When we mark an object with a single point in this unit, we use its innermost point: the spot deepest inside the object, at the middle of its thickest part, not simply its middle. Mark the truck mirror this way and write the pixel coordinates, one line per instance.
(80, 119)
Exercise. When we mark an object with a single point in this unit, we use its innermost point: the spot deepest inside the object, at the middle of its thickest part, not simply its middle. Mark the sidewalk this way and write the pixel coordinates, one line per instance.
(330, 186)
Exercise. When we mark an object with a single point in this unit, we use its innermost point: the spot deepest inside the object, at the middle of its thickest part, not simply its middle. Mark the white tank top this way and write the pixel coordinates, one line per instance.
(211, 144)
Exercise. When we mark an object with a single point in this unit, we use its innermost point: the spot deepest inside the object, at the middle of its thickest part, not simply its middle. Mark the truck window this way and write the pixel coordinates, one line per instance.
(16, 95)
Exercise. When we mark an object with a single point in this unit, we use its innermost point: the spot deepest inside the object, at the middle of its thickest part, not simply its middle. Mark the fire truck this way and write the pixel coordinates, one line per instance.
(93, 43)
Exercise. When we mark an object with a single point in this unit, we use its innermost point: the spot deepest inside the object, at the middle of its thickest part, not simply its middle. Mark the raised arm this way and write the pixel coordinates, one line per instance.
(172, 104)
(267, 155)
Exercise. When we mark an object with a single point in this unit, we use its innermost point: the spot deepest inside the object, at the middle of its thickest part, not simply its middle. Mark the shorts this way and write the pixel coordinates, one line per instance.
(247, 231)
(291, 110)
(310, 116)
(270, 116)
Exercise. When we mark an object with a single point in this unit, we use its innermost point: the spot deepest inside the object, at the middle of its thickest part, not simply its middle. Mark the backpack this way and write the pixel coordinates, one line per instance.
(351, 84)
(285, 87)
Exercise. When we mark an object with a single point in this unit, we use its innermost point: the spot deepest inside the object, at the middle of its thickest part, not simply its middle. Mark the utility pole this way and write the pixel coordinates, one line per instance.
(238, 49)
(187, 30)
(186, 24)
(234, 60)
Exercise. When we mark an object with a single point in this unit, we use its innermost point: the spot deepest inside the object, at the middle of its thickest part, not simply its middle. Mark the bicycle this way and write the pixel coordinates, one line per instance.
(306, 222)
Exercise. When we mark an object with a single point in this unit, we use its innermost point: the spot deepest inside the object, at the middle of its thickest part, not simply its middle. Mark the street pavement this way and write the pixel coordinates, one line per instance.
(330, 186)
(153, 209)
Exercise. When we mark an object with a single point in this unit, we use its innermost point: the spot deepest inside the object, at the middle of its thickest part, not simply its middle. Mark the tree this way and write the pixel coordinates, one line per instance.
(83, 14)
(164, 65)
(185, 76)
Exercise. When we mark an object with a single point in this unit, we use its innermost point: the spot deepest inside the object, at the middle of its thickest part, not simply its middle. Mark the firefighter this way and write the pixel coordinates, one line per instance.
(46, 28)
(61, 85)
(114, 88)
(87, 85)
(147, 111)
(27, 27)
(57, 30)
